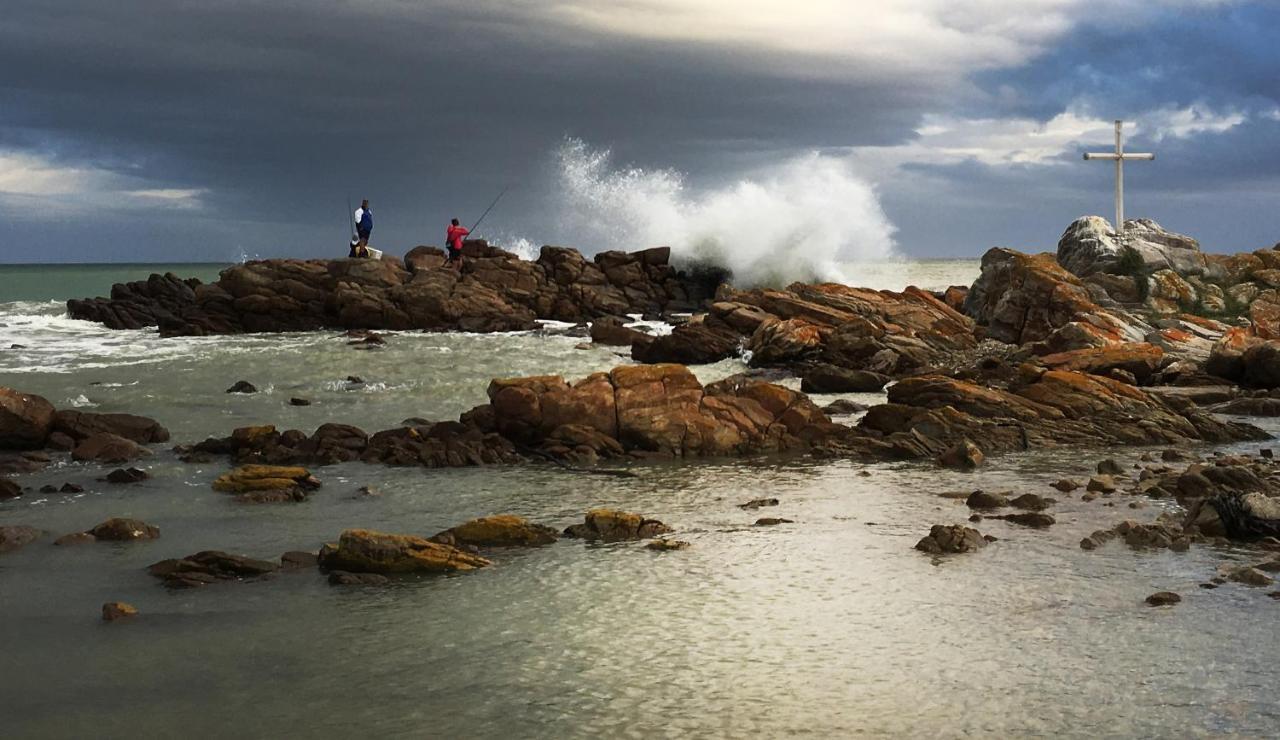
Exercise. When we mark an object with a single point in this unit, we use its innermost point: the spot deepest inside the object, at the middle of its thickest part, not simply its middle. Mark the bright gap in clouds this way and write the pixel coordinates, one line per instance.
(61, 188)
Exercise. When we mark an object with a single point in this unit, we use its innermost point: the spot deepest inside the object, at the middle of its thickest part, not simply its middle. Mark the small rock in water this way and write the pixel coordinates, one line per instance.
(1163, 598)
(113, 610)
(299, 402)
(984, 500)
(1109, 467)
(367, 492)
(295, 559)
(757, 503)
(1029, 519)
(1252, 577)
(127, 475)
(665, 545)
(119, 529)
(770, 521)
(964, 455)
(953, 538)
(75, 538)
(9, 489)
(242, 386)
(843, 407)
(1265, 452)
(48, 488)
(343, 578)
(1208, 586)
(1031, 502)
(1173, 456)
(1275, 595)
(1101, 484)
(355, 380)
(1066, 485)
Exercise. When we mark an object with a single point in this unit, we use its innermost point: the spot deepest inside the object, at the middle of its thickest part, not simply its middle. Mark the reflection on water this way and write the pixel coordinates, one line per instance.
(830, 626)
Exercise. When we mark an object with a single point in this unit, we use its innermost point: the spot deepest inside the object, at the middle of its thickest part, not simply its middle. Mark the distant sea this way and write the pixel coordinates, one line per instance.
(58, 282)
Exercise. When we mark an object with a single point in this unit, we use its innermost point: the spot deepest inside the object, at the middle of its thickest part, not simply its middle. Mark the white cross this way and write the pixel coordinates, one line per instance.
(1119, 156)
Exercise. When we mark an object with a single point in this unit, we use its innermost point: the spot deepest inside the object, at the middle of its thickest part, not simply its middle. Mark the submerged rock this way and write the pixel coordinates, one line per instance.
(1163, 598)
(122, 530)
(119, 476)
(115, 610)
(610, 525)
(209, 566)
(759, 502)
(367, 551)
(344, 578)
(666, 545)
(13, 536)
(105, 447)
(242, 386)
(770, 521)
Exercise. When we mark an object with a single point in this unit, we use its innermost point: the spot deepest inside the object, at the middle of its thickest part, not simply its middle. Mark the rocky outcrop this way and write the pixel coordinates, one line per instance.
(367, 551)
(495, 291)
(1022, 298)
(1090, 245)
(502, 530)
(610, 525)
(928, 415)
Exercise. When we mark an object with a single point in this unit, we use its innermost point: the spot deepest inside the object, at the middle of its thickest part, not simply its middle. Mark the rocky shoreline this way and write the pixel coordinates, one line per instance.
(1140, 341)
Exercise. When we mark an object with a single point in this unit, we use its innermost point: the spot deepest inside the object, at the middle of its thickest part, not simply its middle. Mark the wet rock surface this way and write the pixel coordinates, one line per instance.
(610, 525)
(502, 530)
(368, 551)
(209, 566)
(947, 539)
(494, 291)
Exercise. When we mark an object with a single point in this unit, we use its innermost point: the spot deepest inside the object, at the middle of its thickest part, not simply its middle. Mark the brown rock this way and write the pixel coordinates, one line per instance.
(1066, 485)
(759, 502)
(123, 530)
(367, 551)
(105, 447)
(609, 525)
(1163, 598)
(13, 536)
(985, 500)
(343, 578)
(75, 538)
(502, 530)
(1101, 484)
(25, 420)
(9, 489)
(955, 538)
(964, 455)
(113, 610)
(79, 425)
(770, 521)
(666, 545)
(127, 475)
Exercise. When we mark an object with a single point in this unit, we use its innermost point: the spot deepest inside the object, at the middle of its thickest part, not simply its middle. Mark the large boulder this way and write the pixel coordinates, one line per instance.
(699, 342)
(25, 420)
(1091, 245)
(210, 566)
(945, 539)
(119, 529)
(824, 378)
(367, 551)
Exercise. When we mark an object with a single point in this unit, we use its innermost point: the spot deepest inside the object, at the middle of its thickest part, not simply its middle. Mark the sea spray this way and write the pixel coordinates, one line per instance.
(798, 220)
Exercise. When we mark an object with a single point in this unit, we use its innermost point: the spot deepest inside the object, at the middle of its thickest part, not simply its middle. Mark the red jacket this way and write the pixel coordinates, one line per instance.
(454, 236)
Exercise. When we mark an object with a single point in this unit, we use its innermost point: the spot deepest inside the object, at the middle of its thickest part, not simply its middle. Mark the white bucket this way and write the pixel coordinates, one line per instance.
(374, 253)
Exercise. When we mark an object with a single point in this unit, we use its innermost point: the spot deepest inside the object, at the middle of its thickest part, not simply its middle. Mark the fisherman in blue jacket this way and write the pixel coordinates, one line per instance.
(364, 222)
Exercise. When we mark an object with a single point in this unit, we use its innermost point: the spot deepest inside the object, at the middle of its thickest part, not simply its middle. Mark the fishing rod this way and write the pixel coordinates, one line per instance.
(351, 216)
(486, 211)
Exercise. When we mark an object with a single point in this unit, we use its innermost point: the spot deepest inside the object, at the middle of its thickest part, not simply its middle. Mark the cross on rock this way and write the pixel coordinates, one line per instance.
(1120, 156)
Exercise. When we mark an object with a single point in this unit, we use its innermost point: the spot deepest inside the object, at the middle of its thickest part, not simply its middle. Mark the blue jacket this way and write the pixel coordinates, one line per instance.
(366, 221)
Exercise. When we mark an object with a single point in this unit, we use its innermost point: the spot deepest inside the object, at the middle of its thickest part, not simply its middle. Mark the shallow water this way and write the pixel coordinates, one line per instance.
(832, 625)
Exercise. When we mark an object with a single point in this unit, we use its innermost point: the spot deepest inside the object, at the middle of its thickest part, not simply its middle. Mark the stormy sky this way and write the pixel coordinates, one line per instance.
(208, 130)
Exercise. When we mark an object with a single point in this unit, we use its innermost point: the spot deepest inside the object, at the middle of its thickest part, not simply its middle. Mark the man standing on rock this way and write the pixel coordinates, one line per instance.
(364, 222)
(453, 240)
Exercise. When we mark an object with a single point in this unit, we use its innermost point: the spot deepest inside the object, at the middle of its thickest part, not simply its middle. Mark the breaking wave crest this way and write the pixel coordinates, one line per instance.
(800, 220)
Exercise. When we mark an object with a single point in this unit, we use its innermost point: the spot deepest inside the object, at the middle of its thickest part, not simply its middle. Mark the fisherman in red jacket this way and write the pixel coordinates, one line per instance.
(453, 240)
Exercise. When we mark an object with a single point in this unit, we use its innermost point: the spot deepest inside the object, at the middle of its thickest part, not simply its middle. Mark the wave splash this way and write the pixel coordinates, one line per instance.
(799, 220)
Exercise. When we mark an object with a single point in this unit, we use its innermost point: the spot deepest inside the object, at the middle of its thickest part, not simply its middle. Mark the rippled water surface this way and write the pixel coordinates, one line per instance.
(831, 626)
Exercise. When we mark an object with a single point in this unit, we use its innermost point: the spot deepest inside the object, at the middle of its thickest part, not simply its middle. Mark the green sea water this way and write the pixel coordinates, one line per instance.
(60, 282)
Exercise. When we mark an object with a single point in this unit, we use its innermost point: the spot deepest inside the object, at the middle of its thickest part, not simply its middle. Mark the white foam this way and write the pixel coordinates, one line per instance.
(797, 220)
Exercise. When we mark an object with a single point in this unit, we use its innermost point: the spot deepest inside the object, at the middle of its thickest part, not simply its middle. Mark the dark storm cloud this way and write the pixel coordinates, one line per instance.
(280, 111)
